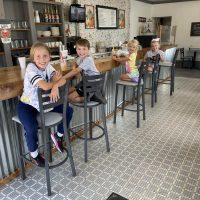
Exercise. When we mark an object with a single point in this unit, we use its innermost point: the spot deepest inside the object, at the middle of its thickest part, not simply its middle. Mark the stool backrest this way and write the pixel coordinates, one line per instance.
(45, 103)
(141, 71)
(175, 56)
(182, 54)
(169, 54)
(94, 83)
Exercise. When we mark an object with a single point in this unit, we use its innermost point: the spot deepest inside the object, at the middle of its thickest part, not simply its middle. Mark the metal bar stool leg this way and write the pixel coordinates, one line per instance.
(138, 107)
(49, 147)
(90, 122)
(171, 81)
(123, 101)
(158, 76)
(143, 103)
(85, 134)
(133, 98)
(152, 90)
(115, 108)
(46, 162)
(103, 115)
(70, 152)
(155, 86)
(20, 148)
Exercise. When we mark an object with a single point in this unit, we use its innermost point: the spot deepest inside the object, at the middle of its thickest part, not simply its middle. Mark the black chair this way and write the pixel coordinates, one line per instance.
(171, 65)
(47, 120)
(137, 88)
(92, 85)
(185, 59)
(154, 76)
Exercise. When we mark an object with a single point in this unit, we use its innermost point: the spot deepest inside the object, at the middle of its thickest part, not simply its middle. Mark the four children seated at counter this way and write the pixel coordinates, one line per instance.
(39, 73)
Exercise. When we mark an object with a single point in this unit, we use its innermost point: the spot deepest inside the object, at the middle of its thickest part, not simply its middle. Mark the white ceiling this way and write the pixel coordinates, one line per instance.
(163, 1)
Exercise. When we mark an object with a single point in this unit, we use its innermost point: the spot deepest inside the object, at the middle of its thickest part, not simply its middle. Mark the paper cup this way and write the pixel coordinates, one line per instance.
(22, 64)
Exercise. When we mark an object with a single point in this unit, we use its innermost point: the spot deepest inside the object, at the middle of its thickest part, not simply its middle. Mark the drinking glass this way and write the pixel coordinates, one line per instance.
(16, 44)
(13, 24)
(24, 24)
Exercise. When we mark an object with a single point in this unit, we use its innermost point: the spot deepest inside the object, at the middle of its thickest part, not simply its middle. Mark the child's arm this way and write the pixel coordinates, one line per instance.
(120, 59)
(54, 96)
(45, 85)
(162, 57)
(72, 73)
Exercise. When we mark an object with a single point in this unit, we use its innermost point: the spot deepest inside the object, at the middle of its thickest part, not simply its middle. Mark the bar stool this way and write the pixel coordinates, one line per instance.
(170, 65)
(92, 85)
(47, 120)
(185, 58)
(154, 76)
(140, 93)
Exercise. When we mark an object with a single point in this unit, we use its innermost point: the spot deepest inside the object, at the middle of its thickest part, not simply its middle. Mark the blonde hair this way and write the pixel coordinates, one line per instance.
(36, 46)
(83, 43)
(133, 42)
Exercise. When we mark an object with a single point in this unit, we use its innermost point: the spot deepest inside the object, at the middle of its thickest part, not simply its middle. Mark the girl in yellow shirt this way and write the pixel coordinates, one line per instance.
(132, 73)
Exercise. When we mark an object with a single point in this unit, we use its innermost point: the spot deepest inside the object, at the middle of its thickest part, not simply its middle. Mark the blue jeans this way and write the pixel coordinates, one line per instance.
(28, 117)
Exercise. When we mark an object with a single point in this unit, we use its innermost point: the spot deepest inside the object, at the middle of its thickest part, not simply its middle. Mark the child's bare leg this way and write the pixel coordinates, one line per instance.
(71, 89)
(74, 97)
(125, 77)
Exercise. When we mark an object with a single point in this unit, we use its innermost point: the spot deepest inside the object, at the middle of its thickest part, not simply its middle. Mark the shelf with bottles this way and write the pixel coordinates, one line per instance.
(46, 13)
(47, 17)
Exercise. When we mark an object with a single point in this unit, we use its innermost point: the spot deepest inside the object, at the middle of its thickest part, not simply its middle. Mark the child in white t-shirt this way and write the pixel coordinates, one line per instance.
(151, 54)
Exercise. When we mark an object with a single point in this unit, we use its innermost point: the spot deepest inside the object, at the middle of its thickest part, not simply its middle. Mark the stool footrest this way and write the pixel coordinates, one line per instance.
(89, 138)
(24, 156)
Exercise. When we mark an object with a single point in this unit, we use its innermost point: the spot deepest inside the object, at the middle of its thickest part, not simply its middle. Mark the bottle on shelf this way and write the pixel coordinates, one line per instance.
(34, 15)
(37, 16)
(57, 15)
(52, 15)
(46, 15)
(49, 14)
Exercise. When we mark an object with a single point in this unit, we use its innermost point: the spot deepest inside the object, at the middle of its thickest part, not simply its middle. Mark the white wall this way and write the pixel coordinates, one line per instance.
(183, 13)
(138, 9)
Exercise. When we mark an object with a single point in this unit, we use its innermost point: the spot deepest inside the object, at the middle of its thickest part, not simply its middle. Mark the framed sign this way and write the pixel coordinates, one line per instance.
(106, 17)
(121, 15)
(89, 17)
(195, 29)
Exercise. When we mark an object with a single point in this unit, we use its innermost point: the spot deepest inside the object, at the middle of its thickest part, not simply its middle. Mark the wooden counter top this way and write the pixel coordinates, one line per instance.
(11, 80)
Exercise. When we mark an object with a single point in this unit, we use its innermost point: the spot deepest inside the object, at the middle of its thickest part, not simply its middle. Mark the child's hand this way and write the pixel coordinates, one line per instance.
(58, 75)
(54, 96)
(114, 58)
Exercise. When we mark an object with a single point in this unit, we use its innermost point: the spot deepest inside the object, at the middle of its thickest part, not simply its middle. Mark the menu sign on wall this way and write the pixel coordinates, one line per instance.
(195, 29)
(106, 17)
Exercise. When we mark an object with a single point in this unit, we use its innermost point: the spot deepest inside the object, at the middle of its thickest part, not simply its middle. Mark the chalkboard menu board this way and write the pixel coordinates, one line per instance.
(195, 29)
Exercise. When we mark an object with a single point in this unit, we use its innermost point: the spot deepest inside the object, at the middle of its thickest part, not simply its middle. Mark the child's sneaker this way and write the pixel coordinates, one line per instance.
(57, 141)
(39, 160)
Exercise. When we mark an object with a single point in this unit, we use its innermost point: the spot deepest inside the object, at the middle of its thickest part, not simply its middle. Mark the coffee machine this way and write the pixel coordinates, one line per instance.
(71, 44)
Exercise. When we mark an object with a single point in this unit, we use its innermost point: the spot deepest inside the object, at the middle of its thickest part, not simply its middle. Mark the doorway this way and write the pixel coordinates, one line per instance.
(162, 26)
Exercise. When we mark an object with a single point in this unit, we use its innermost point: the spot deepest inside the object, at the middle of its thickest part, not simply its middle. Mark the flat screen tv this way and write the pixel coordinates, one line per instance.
(76, 13)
